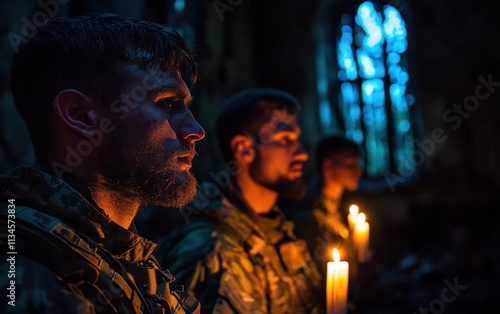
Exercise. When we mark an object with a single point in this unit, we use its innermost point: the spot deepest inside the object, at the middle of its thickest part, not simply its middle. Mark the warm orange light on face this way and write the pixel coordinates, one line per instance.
(353, 210)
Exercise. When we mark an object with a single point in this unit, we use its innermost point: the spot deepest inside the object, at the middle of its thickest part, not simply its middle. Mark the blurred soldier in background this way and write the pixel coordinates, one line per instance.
(319, 218)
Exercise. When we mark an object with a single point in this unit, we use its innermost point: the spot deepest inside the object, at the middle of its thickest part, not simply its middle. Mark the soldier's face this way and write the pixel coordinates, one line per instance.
(149, 154)
(344, 169)
(280, 156)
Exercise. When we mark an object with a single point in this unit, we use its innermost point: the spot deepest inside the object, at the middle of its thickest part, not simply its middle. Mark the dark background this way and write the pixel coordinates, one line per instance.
(440, 224)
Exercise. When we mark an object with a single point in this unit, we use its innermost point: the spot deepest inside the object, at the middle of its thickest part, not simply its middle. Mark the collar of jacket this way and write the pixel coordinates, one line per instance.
(34, 188)
(328, 205)
(231, 209)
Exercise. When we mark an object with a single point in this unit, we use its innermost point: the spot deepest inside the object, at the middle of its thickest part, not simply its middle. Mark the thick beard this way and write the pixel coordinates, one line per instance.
(286, 188)
(153, 180)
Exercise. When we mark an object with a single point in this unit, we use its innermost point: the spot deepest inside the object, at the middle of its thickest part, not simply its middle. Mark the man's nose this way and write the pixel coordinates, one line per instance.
(191, 130)
(301, 154)
(358, 171)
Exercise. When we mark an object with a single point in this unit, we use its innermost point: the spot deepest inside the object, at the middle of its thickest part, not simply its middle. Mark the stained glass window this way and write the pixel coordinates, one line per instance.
(373, 97)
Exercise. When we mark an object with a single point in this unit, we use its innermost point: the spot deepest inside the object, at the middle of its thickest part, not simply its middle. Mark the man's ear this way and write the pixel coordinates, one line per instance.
(76, 111)
(243, 149)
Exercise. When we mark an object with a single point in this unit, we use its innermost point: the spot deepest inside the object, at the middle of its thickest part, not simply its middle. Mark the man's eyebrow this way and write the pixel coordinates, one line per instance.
(168, 90)
(286, 127)
(287, 131)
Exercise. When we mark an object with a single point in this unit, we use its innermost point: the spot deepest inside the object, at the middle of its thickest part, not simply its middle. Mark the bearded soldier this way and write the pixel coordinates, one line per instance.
(105, 102)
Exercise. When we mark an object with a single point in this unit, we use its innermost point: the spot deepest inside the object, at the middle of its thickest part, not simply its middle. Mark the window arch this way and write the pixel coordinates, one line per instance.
(368, 83)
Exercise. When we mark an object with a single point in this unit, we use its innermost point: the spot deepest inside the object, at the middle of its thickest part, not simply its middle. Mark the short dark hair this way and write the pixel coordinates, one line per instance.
(245, 113)
(83, 53)
(333, 144)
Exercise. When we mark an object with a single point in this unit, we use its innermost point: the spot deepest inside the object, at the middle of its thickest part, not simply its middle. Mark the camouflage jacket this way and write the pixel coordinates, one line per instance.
(61, 254)
(235, 264)
(322, 224)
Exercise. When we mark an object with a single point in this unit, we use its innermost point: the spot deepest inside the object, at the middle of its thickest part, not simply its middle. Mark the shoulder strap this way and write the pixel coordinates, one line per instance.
(59, 248)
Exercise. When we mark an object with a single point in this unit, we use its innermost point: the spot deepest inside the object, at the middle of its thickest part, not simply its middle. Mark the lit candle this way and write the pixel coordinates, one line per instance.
(351, 217)
(361, 238)
(337, 279)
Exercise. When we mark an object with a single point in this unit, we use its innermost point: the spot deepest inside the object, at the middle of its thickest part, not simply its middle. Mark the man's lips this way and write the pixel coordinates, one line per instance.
(186, 159)
(296, 168)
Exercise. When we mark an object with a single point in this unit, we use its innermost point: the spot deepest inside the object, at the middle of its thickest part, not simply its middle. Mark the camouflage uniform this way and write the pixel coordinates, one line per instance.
(71, 258)
(322, 224)
(235, 264)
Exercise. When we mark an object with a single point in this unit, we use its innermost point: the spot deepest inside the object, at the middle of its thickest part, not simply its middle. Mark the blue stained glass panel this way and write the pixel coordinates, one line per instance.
(369, 50)
(349, 103)
(375, 120)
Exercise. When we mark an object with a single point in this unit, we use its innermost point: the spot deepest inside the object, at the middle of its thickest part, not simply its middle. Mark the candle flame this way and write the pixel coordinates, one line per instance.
(361, 218)
(353, 209)
(336, 255)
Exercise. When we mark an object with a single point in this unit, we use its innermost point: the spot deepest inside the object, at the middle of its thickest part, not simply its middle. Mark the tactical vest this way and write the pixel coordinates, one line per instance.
(112, 285)
(291, 274)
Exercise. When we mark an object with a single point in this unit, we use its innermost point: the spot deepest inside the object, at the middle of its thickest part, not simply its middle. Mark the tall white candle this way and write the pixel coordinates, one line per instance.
(351, 217)
(361, 238)
(337, 279)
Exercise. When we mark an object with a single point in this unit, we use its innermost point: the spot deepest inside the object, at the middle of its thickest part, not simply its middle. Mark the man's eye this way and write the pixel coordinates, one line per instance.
(167, 102)
(285, 141)
(172, 103)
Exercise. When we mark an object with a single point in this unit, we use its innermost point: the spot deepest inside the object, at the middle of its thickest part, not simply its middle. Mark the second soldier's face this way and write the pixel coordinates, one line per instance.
(345, 170)
(280, 156)
(149, 153)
